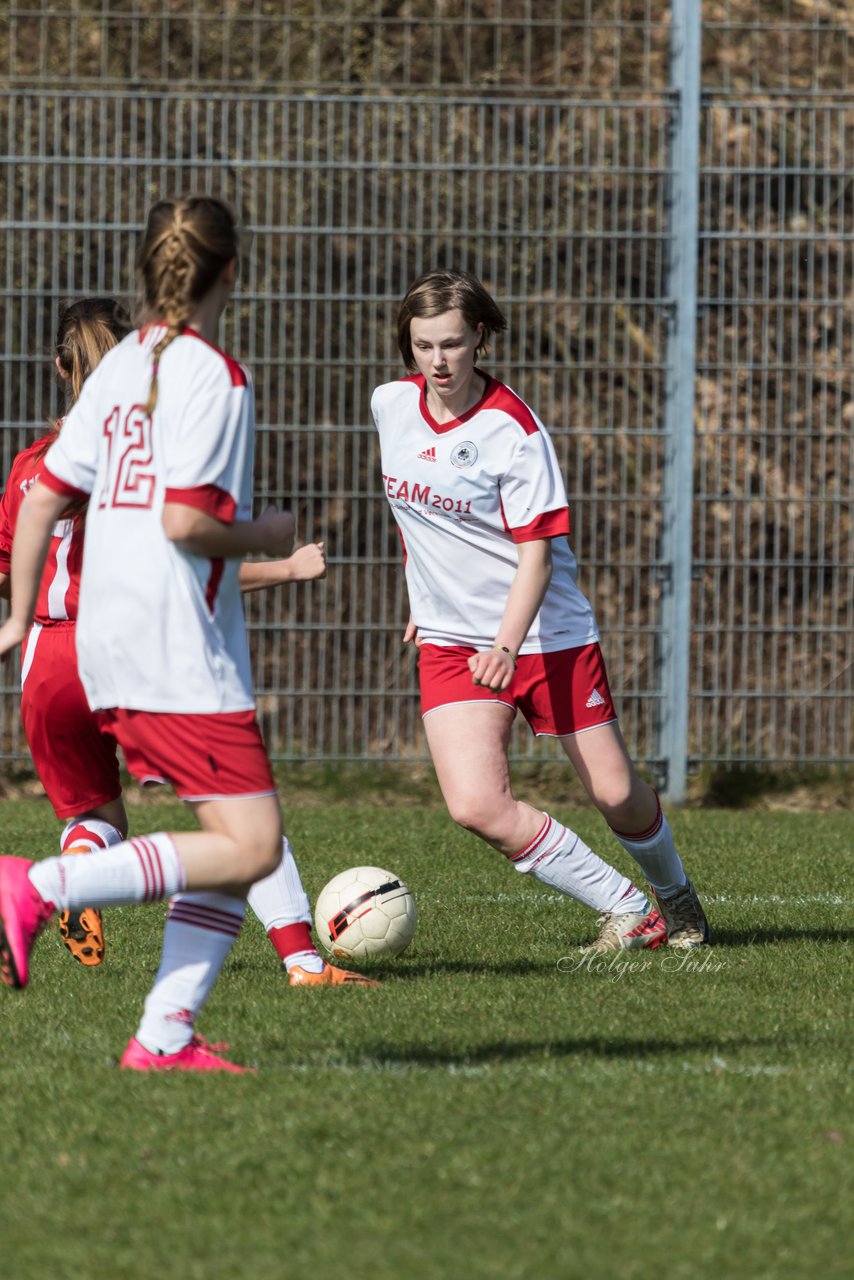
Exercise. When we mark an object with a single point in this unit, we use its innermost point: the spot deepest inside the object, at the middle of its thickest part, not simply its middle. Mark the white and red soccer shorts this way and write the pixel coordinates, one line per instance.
(76, 762)
(558, 693)
(203, 756)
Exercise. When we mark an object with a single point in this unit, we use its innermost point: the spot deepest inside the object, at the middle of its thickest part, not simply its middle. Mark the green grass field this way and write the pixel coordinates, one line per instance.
(496, 1109)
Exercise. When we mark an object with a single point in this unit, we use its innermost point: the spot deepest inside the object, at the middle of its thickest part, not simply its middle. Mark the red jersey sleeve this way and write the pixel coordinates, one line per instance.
(7, 528)
(23, 473)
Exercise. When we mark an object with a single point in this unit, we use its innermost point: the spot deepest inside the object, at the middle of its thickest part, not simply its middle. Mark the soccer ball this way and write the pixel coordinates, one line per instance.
(365, 912)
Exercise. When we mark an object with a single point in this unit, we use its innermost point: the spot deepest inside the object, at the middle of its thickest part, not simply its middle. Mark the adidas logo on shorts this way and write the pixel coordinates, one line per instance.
(595, 699)
(428, 455)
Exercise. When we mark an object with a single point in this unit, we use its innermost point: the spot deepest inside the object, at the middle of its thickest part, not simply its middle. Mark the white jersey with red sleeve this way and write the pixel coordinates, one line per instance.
(60, 585)
(465, 493)
(159, 629)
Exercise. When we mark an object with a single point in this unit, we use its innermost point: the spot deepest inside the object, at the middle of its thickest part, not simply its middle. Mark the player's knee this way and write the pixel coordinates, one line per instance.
(611, 801)
(263, 857)
(260, 850)
(621, 803)
(472, 814)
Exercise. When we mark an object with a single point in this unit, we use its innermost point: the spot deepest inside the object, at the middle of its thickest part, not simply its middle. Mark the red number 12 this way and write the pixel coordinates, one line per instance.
(129, 443)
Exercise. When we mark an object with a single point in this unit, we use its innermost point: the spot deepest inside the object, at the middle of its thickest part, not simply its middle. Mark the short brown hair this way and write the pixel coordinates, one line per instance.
(436, 292)
(187, 243)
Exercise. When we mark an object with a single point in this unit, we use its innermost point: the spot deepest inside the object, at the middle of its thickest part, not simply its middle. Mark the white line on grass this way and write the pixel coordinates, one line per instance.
(389, 1066)
(735, 900)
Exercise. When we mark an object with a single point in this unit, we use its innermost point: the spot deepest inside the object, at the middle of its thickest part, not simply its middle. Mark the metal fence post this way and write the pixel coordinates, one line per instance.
(678, 488)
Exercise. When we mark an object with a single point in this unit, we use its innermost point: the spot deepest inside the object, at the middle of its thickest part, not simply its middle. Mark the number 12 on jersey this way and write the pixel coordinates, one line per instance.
(129, 479)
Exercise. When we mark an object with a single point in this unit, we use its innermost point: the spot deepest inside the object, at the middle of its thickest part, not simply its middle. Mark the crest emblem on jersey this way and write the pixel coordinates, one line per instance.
(464, 455)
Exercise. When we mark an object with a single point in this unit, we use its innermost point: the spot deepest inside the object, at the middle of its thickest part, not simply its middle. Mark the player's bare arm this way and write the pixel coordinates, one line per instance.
(493, 668)
(39, 512)
(198, 533)
(306, 564)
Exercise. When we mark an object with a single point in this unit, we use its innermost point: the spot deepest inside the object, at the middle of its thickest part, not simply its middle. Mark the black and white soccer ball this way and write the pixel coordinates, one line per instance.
(365, 912)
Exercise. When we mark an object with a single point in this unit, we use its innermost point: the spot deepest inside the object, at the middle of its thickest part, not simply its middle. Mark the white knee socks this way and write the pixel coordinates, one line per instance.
(559, 858)
(88, 834)
(280, 899)
(200, 931)
(145, 869)
(281, 904)
(655, 853)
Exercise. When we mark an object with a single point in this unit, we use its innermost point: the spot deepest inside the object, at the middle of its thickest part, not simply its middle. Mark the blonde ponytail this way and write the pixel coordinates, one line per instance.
(86, 331)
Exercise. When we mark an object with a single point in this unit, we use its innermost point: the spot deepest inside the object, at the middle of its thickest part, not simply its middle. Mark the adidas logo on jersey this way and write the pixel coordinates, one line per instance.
(595, 699)
(428, 455)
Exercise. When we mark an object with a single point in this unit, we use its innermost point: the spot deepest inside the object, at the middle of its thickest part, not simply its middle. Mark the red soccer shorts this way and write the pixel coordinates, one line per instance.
(204, 757)
(558, 693)
(77, 763)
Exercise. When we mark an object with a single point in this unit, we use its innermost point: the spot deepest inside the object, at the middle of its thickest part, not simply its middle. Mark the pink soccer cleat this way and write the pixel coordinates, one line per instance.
(23, 915)
(198, 1055)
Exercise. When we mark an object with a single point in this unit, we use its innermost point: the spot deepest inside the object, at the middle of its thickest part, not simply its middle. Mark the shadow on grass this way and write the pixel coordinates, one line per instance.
(391, 1057)
(594, 1047)
(786, 933)
(426, 968)
(430, 967)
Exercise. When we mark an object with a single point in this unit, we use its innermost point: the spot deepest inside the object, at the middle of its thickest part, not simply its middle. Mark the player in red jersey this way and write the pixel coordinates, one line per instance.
(160, 445)
(475, 487)
(75, 761)
(78, 765)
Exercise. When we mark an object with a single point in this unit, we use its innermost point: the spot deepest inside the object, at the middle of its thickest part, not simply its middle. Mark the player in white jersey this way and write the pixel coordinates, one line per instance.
(475, 487)
(76, 762)
(161, 442)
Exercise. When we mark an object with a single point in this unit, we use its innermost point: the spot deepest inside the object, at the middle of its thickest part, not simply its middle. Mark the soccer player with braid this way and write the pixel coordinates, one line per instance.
(159, 444)
(475, 487)
(77, 763)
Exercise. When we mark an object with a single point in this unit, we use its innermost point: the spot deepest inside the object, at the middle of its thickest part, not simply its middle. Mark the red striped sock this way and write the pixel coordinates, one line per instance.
(290, 938)
(145, 869)
(200, 931)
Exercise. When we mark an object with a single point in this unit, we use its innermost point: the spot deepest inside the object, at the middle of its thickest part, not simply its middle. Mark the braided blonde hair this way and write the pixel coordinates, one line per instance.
(187, 244)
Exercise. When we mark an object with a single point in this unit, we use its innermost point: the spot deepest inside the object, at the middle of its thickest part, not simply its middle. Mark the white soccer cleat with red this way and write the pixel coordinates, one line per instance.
(629, 931)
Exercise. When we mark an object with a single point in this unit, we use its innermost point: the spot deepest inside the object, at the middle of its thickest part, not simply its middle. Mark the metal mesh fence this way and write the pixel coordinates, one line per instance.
(773, 654)
(529, 143)
(773, 660)
(482, 46)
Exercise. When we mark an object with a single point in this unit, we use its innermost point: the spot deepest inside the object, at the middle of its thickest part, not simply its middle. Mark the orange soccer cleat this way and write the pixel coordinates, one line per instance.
(82, 930)
(329, 976)
(83, 933)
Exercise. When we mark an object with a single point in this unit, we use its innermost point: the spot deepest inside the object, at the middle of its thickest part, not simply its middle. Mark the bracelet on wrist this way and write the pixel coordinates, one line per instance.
(502, 648)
